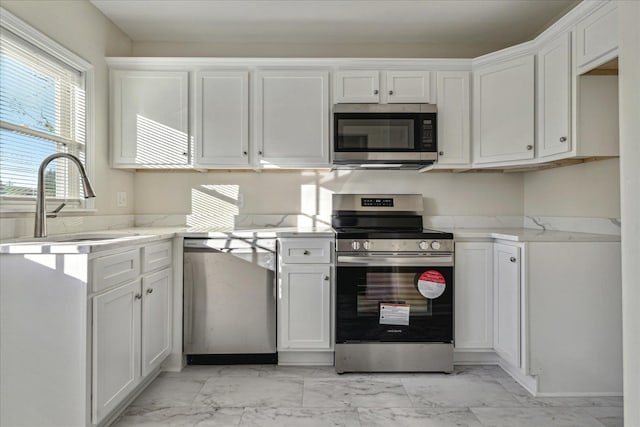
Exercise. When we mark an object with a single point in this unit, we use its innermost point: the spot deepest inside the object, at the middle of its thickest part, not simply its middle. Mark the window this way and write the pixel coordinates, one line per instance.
(43, 110)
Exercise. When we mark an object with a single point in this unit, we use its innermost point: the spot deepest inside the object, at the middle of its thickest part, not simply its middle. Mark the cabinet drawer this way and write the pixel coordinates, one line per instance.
(305, 251)
(156, 256)
(114, 269)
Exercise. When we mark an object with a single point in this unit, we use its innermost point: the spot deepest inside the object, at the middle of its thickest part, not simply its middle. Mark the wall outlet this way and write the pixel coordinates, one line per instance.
(121, 199)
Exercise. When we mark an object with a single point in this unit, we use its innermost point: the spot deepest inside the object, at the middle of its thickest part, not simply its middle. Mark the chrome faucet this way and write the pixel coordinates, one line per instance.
(40, 229)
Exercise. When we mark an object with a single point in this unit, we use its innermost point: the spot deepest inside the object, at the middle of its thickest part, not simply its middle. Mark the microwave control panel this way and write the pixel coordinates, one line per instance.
(428, 129)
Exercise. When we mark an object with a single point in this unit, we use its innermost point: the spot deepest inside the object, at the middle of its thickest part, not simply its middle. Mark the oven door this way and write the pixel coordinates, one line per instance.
(394, 298)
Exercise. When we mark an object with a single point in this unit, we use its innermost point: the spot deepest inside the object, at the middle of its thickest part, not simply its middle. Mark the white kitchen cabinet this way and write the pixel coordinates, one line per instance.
(506, 301)
(454, 142)
(372, 86)
(292, 118)
(362, 86)
(156, 319)
(305, 299)
(554, 97)
(222, 118)
(304, 307)
(474, 295)
(116, 347)
(408, 87)
(150, 118)
(597, 37)
(503, 110)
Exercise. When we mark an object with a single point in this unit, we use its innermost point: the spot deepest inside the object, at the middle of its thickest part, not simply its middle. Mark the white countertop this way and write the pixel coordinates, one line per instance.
(143, 235)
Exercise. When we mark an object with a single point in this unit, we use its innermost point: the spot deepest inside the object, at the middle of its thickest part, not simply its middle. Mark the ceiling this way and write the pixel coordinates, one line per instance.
(491, 24)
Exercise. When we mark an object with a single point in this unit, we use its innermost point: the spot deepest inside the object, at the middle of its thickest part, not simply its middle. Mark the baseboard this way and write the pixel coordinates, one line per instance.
(581, 394)
(305, 358)
(529, 383)
(474, 357)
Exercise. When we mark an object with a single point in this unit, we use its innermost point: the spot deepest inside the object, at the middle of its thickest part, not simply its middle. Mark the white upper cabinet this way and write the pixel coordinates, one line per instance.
(408, 86)
(454, 144)
(597, 38)
(222, 118)
(150, 118)
(291, 118)
(503, 111)
(357, 87)
(396, 86)
(554, 97)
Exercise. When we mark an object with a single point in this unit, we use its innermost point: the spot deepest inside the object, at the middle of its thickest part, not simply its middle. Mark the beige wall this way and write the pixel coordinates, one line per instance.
(585, 190)
(310, 192)
(81, 28)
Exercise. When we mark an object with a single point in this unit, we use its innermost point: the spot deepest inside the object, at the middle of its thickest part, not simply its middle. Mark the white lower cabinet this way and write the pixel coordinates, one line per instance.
(305, 298)
(474, 296)
(116, 347)
(506, 271)
(156, 319)
(305, 307)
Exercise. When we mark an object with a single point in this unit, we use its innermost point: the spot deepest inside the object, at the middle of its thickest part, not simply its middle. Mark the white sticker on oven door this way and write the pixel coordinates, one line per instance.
(394, 314)
(431, 284)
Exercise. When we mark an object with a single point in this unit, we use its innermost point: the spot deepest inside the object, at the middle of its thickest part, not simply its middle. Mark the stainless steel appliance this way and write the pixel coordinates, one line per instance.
(394, 286)
(384, 136)
(229, 299)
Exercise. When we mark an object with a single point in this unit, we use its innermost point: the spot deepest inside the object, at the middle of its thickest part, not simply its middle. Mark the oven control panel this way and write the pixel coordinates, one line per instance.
(394, 245)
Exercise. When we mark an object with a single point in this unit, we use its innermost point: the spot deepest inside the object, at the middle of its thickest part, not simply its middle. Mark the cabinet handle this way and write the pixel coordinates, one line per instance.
(326, 277)
(150, 290)
(512, 259)
(529, 147)
(260, 153)
(375, 92)
(306, 252)
(184, 153)
(138, 296)
(390, 92)
(441, 153)
(244, 153)
(563, 139)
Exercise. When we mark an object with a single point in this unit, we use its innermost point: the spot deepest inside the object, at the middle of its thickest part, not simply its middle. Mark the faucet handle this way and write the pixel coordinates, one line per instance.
(54, 213)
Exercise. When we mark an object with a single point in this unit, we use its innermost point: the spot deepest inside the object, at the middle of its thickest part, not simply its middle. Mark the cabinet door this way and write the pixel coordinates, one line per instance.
(503, 108)
(506, 261)
(150, 118)
(597, 38)
(304, 307)
(408, 86)
(357, 86)
(116, 347)
(554, 97)
(156, 319)
(454, 145)
(474, 295)
(292, 118)
(222, 117)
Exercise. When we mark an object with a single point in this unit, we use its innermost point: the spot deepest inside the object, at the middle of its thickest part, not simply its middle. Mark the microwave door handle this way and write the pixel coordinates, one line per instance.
(384, 261)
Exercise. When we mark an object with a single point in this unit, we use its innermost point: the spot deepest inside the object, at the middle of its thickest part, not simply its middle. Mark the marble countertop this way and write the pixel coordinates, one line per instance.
(103, 240)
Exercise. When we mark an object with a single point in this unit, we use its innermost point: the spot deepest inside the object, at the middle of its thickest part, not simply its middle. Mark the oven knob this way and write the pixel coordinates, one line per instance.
(435, 245)
(423, 245)
(366, 245)
(355, 245)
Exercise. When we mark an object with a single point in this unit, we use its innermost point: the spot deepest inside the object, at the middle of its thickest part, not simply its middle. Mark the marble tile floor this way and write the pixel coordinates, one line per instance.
(276, 396)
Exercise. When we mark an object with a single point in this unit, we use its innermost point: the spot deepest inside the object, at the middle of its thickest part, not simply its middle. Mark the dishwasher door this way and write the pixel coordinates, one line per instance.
(229, 301)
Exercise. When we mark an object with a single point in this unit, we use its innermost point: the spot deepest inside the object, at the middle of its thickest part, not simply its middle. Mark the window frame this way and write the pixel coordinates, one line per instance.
(24, 31)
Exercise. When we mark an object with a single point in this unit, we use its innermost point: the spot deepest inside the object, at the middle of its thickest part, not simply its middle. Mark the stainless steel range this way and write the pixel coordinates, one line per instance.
(394, 286)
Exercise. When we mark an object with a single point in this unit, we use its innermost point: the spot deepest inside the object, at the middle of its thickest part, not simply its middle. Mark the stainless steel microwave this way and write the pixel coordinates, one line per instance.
(387, 136)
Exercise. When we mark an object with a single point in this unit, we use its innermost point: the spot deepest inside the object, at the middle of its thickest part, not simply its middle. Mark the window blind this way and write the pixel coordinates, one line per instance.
(42, 111)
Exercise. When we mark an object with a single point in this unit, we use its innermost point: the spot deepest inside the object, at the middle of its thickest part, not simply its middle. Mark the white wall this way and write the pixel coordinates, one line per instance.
(310, 192)
(629, 17)
(83, 29)
(584, 190)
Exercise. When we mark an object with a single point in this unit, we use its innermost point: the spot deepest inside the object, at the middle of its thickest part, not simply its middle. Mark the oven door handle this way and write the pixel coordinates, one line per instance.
(397, 260)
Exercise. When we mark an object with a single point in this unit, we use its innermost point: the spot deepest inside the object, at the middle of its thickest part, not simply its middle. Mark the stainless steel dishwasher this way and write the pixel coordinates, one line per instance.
(229, 300)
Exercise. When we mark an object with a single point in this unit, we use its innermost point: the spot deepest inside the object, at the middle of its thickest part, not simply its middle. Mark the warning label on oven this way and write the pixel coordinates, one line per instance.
(431, 284)
(394, 314)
